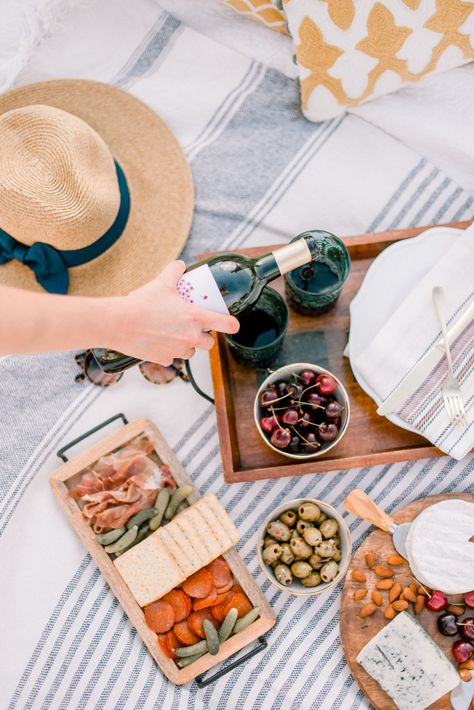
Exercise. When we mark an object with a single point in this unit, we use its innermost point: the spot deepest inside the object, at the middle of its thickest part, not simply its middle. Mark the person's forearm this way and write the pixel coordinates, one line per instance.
(33, 322)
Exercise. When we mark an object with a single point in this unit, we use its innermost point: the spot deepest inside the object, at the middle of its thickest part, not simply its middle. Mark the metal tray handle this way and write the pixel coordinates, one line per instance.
(72, 443)
(201, 682)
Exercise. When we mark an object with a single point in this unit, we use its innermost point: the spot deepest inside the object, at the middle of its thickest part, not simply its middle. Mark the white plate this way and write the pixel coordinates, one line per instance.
(390, 277)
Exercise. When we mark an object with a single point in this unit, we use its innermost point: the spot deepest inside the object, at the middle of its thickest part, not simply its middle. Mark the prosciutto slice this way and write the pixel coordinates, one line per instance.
(121, 484)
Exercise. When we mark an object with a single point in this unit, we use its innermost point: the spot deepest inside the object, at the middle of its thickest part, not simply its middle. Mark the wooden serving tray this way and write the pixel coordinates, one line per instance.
(356, 632)
(370, 438)
(67, 475)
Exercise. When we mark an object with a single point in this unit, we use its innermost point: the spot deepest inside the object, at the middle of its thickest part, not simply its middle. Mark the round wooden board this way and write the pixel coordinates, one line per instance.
(356, 632)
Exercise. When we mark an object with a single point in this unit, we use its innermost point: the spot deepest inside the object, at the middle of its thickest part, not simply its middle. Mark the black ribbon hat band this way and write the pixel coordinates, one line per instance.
(50, 265)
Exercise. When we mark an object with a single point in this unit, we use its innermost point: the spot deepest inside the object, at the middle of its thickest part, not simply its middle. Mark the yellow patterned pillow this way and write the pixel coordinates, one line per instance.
(267, 11)
(350, 51)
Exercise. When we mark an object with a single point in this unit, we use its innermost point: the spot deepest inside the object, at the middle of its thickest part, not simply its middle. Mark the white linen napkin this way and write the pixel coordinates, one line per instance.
(411, 332)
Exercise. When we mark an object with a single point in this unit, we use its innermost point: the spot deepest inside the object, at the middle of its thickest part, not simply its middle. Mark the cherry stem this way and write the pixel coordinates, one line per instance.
(313, 423)
(422, 587)
(308, 404)
(312, 444)
(276, 400)
(274, 416)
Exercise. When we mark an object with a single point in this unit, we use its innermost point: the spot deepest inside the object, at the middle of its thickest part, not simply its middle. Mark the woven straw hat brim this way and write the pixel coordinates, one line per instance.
(158, 176)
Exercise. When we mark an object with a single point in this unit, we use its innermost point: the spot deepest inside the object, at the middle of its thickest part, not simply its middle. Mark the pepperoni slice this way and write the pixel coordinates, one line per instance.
(226, 587)
(199, 584)
(164, 646)
(196, 619)
(220, 572)
(217, 613)
(209, 602)
(240, 602)
(172, 643)
(159, 616)
(180, 602)
(185, 634)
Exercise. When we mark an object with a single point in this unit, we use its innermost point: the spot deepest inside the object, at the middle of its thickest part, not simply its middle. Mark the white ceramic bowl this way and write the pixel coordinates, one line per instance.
(295, 587)
(340, 394)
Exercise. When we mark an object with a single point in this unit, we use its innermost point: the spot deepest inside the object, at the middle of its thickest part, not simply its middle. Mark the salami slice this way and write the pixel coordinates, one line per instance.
(199, 585)
(180, 602)
(159, 616)
(196, 618)
(185, 634)
(220, 572)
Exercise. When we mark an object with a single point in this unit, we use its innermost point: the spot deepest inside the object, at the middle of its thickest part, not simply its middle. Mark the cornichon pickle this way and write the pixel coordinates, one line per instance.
(141, 535)
(177, 497)
(227, 625)
(124, 541)
(109, 537)
(246, 620)
(141, 517)
(199, 647)
(183, 662)
(212, 637)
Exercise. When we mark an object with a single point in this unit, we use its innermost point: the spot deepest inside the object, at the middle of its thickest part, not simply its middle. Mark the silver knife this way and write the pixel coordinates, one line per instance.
(418, 373)
(462, 695)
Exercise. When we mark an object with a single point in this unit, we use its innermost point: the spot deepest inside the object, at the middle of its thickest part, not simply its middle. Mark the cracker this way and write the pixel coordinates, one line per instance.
(193, 552)
(149, 570)
(194, 538)
(175, 550)
(205, 533)
(223, 516)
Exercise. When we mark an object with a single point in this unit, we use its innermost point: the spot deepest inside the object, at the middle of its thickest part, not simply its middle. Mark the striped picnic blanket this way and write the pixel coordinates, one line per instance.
(262, 175)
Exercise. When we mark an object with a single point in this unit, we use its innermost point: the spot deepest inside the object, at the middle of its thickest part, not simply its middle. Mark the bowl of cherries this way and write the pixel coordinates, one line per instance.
(301, 410)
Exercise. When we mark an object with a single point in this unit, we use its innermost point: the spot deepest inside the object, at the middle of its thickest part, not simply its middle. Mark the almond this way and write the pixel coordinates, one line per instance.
(382, 571)
(409, 595)
(369, 559)
(469, 665)
(358, 576)
(457, 609)
(377, 598)
(385, 584)
(395, 560)
(389, 612)
(367, 610)
(400, 605)
(465, 675)
(420, 604)
(413, 587)
(395, 591)
(423, 590)
(360, 594)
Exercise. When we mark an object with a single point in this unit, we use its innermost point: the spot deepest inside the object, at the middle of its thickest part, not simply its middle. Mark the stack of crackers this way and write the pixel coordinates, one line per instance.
(170, 555)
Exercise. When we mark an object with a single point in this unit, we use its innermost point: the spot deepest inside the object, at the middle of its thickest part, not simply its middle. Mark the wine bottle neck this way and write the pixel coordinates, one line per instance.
(286, 259)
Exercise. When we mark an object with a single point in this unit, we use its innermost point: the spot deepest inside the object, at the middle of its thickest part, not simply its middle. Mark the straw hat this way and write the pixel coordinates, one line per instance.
(84, 164)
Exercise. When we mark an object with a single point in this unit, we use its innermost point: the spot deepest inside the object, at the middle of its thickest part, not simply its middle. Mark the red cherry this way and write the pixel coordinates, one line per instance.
(437, 602)
(307, 377)
(462, 651)
(326, 383)
(268, 424)
(290, 417)
(314, 400)
(280, 438)
(467, 628)
(469, 599)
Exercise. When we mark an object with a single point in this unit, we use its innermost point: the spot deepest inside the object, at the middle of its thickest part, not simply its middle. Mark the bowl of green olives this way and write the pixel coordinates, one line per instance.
(301, 411)
(304, 546)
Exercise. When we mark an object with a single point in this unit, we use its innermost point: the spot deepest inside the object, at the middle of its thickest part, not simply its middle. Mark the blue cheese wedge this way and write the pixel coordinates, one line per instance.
(408, 664)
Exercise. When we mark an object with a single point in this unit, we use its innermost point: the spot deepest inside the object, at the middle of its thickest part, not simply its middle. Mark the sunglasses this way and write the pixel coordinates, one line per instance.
(156, 374)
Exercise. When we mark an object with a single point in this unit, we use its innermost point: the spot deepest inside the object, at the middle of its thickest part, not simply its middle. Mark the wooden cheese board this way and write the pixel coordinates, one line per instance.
(356, 632)
(67, 476)
(370, 439)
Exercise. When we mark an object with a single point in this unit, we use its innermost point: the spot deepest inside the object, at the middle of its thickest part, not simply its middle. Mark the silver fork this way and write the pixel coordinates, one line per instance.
(451, 389)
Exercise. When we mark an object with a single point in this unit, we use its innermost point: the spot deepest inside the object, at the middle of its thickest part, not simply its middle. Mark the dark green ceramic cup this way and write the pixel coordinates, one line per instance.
(262, 331)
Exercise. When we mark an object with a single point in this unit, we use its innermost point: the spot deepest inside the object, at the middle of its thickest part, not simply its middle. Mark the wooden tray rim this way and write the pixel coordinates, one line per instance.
(118, 586)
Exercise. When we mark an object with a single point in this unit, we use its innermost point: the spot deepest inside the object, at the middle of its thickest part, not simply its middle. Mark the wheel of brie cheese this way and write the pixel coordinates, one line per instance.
(439, 549)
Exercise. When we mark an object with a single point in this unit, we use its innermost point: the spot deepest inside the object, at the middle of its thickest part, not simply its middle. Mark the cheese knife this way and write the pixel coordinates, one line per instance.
(462, 695)
(358, 503)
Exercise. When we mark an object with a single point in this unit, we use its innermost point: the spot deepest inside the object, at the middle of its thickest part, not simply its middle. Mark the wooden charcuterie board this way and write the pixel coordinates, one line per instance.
(356, 632)
(66, 476)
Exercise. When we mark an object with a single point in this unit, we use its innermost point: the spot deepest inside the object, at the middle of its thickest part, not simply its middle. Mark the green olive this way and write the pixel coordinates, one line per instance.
(268, 541)
(316, 561)
(329, 571)
(279, 530)
(294, 533)
(326, 548)
(283, 574)
(337, 540)
(271, 554)
(301, 569)
(329, 528)
(337, 556)
(288, 517)
(309, 511)
(300, 548)
(322, 518)
(287, 556)
(312, 536)
(312, 580)
(301, 526)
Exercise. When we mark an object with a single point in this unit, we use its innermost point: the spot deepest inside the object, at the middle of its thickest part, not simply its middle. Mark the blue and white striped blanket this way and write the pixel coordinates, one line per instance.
(262, 174)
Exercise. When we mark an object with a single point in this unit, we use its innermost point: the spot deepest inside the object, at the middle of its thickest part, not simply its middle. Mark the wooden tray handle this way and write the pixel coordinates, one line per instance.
(358, 503)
